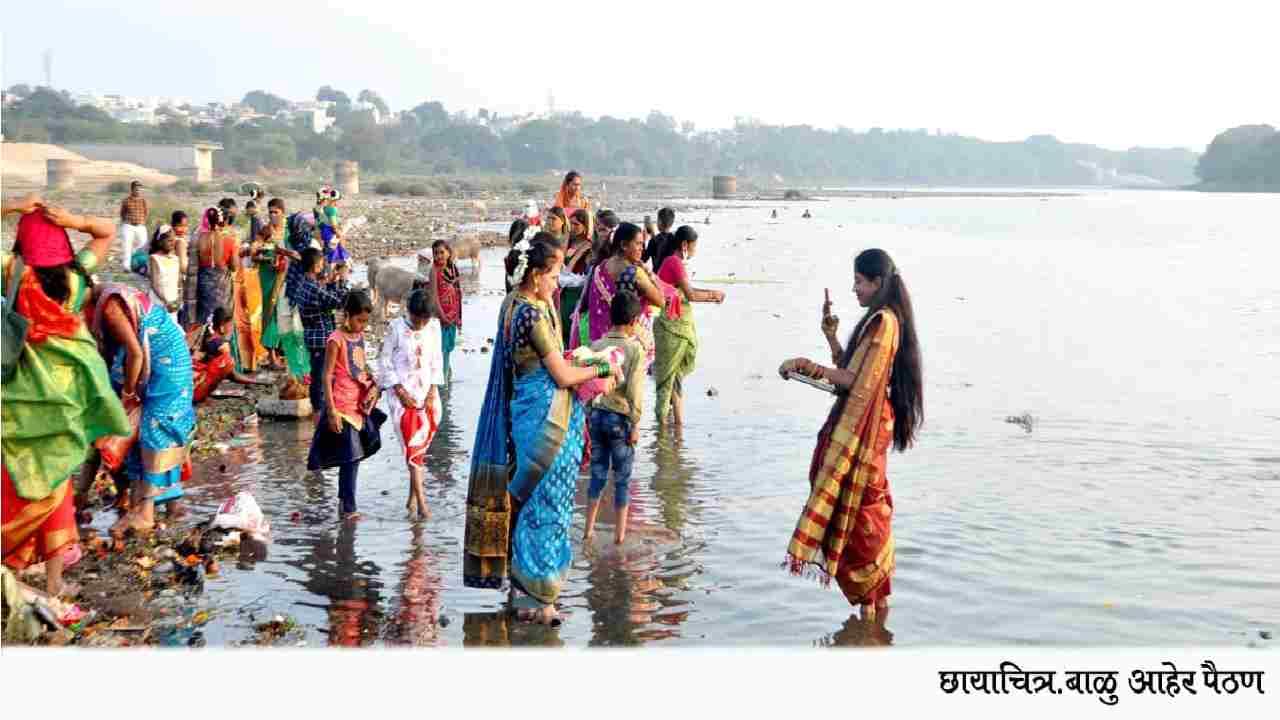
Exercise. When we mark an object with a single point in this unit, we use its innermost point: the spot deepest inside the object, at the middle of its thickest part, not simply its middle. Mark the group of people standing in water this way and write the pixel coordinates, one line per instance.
(594, 306)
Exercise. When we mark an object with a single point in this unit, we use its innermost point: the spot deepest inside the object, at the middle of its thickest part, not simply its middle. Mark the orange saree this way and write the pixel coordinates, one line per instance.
(35, 530)
(845, 530)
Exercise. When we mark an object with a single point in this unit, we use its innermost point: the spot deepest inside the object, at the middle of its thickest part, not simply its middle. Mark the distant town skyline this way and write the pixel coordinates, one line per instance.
(1116, 75)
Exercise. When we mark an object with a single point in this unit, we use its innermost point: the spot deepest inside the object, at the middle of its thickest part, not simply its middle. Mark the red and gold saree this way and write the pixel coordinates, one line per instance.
(844, 530)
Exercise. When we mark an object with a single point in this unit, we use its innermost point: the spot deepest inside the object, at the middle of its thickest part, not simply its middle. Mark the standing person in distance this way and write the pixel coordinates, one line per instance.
(133, 223)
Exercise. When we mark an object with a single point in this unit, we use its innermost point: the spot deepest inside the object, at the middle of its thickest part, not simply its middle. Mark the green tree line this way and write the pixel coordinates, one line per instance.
(427, 139)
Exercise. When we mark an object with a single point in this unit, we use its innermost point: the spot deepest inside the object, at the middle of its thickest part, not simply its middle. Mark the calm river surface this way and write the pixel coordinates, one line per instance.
(1141, 330)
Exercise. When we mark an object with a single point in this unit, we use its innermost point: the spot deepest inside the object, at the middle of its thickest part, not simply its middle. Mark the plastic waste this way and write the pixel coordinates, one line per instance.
(242, 513)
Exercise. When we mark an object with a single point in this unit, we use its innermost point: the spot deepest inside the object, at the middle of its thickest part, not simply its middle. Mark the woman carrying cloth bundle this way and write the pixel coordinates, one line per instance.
(844, 531)
(59, 399)
(530, 419)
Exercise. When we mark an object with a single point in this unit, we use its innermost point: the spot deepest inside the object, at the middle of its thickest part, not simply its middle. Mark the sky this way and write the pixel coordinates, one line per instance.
(1118, 74)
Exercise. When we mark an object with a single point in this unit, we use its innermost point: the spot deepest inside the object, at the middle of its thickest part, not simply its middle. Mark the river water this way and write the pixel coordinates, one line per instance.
(1140, 330)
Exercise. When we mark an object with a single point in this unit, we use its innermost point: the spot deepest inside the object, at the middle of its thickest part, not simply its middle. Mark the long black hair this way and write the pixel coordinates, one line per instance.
(518, 226)
(684, 234)
(906, 384)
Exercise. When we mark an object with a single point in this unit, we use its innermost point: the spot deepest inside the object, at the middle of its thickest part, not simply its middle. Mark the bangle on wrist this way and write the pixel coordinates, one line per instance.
(603, 371)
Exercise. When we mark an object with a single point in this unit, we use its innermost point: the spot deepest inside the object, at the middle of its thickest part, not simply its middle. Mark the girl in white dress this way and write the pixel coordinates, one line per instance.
(164, 270)
(412, 367)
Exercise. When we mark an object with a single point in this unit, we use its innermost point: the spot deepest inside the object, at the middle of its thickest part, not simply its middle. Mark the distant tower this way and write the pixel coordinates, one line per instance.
(48, 68)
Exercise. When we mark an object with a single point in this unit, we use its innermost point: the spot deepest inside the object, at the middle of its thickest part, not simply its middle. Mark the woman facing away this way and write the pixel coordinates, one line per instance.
(675, 338)
(59, 399)
(844, 530)
(150, 368)
(448, 287)
(247, 346)
(164, 271)
(217, 250)
(412, 372)
(529, 409)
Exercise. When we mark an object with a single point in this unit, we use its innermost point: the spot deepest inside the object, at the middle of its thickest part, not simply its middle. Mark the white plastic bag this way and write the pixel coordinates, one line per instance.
(242, 513)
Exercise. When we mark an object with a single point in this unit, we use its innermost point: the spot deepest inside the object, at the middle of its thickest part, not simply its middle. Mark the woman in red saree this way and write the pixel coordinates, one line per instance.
(211, 363)
(845, 528)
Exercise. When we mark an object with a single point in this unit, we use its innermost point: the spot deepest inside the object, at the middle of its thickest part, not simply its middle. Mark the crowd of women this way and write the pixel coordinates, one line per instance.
(584, 322)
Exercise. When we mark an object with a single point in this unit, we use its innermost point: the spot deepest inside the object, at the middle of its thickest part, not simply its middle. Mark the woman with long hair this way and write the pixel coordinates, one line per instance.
(844, 530)
(556, 222)
(518, 524)
(448, 286)
(58, 400)
(675, 339)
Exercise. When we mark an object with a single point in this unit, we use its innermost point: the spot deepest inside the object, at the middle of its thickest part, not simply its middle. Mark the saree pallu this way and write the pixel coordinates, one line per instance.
(213, 290)
(675, 354)
(36, 530)
(292, 343)
(547, 429)
(246, 341)
(59, 400)
(845, 528)
(417, 427)
(487, 537)
(168, 416)
(271, 289)
(569, 297)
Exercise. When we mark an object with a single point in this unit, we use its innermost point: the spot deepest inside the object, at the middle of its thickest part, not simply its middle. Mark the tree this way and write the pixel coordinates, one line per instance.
(430, 116)
(265, 102)
(339, 98)
(20, 90)
(1236, 156)
(375, 100)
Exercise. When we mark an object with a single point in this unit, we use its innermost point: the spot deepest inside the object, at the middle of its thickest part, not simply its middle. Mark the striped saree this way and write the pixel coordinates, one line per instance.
(844, 531)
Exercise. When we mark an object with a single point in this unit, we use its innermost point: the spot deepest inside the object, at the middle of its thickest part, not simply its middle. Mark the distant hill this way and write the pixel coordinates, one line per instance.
(428, 140)
(1242, 159)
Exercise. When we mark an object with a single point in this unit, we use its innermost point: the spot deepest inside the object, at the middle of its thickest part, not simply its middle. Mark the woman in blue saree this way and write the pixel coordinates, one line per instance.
(524, 468)
(151, 367)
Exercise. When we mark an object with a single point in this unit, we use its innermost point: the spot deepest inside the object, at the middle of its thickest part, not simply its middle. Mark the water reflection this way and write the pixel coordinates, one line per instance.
(501, 629)
(673, 480)
(857, 632)
(416, 622)
(336, 572)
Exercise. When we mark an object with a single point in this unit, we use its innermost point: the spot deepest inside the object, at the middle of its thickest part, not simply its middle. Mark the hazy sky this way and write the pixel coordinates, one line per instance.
(1115, 73)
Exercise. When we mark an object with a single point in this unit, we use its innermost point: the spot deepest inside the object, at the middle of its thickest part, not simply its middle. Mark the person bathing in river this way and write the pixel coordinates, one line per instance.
(674, 335)
(412, 373)
(844, 530)
(349, 428)
(529, 408)
(211, 363)
(615, 416)
(448, 288)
